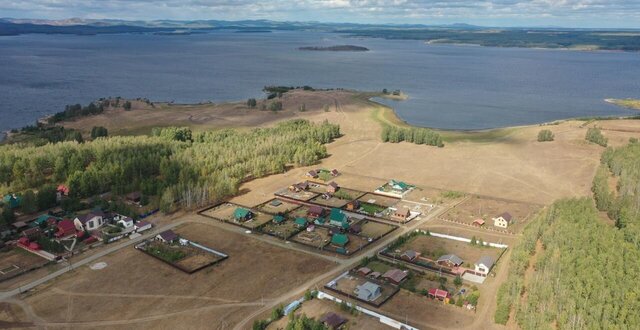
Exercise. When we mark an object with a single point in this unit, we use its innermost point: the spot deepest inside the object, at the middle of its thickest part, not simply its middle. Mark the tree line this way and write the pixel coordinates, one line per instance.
(187, 169)
(585, 275)
(417, 135)
(622, 204)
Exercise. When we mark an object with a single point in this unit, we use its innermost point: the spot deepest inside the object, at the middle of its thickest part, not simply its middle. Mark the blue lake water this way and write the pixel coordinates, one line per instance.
(451, 87)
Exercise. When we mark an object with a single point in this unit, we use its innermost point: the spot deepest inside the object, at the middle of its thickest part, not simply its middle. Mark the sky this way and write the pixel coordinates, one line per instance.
(565, 13)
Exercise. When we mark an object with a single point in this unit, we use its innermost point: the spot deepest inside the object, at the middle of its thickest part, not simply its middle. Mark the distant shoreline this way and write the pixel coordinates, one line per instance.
(337, 48)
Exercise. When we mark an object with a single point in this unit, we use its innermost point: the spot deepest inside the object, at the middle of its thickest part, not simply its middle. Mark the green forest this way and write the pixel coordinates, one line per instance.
(417, 135)
(586, 269)
(187, 169)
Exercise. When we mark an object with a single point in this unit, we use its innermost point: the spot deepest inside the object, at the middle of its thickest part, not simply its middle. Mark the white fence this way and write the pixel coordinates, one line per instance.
(383, 319)
(463, 239)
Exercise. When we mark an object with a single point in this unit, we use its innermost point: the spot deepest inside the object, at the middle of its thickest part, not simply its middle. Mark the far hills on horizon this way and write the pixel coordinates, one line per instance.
(458, 33)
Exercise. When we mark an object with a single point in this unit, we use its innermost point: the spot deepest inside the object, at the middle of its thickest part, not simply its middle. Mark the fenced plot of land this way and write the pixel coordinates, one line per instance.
(382, 201)
(355, 244)
(431, 247)
(135, 286)
(339, 199)
(486, 209)
(277, 206)
(18, 261)
(318, 238)
(189, 257)
(375, 230)
(282, 230)
(347, 284)
(225, 212)
(423, 312)
(303, 195)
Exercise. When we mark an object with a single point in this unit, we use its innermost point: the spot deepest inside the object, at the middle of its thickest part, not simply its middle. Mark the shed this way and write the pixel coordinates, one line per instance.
(275, 203)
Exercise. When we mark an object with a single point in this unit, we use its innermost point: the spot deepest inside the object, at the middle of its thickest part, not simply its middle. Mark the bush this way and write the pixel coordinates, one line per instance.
(545, 135)
(594, 135)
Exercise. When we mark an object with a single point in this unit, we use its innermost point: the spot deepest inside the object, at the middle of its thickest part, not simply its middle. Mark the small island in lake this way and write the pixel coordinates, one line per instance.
(339, 48)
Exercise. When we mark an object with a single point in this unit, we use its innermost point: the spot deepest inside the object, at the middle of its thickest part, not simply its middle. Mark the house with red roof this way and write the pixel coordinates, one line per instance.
(65, 228)
(439, 294)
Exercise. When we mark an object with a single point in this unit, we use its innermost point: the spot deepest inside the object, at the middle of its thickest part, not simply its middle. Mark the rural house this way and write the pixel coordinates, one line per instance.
(278, 219)
(364, 271)
(484, 264)
(353, 206)
(242, 214)
(478, 222)
(339, 240)
(338, 219)
(141, 226)
(335, 172)
(301, 222)
(90, 221)
(298, 187)
(399, 187)
(167, 236)
(315, 211)
(312, 174)
(401, 214)
(134, 197)
(65, 228)
(409, 255)
(368, 291)
(332, 187)
(503, 220)
(439, 294)
(395, 276)
(333, 320)
(450, 260)
(12, 201)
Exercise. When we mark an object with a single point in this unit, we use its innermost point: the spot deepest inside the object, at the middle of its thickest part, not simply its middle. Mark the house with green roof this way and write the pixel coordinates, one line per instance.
(400, 186)
(278, 219)
(12, 201)
(301, 222)
(242, 214)
(338, 219)
(339, 240)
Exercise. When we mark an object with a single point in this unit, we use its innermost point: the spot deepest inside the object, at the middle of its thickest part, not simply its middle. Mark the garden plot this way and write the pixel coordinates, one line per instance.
(277, 206)
(318, 238)
(487, 209)
(304, 195)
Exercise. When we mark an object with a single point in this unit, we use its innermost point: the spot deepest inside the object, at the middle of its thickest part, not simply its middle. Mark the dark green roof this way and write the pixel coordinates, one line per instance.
(241, 213)
(278, 218)
(339, 239)
(301, 221)
(337, 215)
